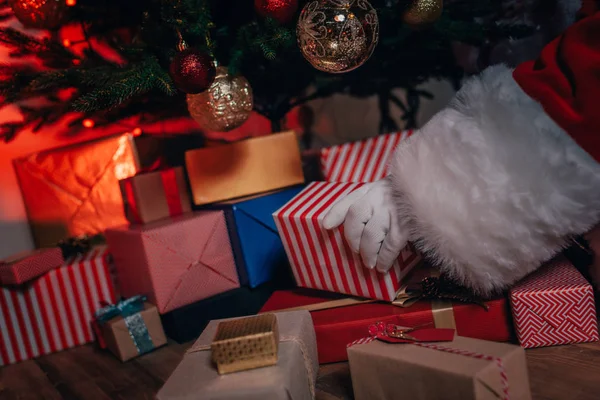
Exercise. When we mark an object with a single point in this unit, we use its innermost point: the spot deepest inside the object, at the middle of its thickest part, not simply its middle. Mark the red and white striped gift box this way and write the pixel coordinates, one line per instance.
(363, 161)
(554, 306)
(321, 259)
(54, 311)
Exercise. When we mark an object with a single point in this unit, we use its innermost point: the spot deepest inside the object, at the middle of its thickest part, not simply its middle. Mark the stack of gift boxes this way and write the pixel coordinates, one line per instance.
(219, 253)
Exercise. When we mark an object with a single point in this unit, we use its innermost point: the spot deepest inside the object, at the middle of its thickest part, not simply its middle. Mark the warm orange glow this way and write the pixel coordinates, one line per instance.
(88, 123)
(71, 3)
(66, 42)
(137, 131)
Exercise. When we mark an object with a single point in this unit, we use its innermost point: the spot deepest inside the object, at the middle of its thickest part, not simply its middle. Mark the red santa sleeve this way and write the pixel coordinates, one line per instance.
(493, 186)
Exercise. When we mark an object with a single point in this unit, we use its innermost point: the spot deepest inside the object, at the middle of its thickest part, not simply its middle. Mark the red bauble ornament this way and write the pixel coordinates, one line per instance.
(41, 14)
(192, 71)
(281, 10)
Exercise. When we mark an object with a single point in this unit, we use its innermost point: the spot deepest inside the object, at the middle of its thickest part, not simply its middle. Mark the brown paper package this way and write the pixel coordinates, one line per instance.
(244, 168)
(119, 342)
(150, 199)
(382, 371)
(196, 377)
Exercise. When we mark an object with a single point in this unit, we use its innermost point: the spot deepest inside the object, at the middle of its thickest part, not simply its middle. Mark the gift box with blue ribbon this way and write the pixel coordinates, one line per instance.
(256, 244)
(129, 328)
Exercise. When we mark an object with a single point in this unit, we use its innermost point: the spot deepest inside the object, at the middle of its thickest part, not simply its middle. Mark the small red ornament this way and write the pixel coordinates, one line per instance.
(192, 71)
(41, 14)
(281, 10)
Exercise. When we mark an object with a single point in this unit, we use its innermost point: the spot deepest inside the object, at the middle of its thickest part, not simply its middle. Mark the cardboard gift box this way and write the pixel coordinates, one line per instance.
(27, 265)
(554, 305)
(187, 323)
(176, 261)
(256, 244)
(362, 161)
(155, 195)
(293, 378)
(54, 311)
(130, 328)
(75, 190)
(321, 259)
(244, 168)
(463, 369)
(349, 318)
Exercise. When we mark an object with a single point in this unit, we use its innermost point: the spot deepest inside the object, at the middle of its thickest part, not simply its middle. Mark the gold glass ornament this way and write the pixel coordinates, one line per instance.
(225, 105)
(337, 35)
(423, 12)
(41, 14)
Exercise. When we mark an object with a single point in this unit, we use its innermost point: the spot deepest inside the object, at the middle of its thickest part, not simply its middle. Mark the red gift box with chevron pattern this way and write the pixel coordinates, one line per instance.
(54, 311)
(362, 161)
(321, 259)
(554, 306)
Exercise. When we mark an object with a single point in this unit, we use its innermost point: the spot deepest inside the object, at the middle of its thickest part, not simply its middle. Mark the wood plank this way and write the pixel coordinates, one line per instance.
(162, 362)
(26, 381)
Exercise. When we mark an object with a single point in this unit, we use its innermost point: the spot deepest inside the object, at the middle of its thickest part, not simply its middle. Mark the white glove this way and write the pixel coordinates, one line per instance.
(370, 223)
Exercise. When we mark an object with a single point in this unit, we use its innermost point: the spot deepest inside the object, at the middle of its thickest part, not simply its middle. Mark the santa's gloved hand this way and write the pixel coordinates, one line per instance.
(370, 223)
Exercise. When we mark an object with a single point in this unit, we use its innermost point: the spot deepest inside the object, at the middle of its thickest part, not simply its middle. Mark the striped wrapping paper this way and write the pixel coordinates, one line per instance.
(321, 259)
(54, 311)
(363, 161)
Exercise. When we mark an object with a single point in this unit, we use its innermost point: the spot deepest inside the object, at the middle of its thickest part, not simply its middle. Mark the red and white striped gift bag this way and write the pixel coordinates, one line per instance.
(554, 306)
(321, 259)
(363, 161)
(54, 311)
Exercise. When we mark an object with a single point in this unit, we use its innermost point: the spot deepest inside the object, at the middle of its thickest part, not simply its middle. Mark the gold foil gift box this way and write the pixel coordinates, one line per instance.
(246, 343)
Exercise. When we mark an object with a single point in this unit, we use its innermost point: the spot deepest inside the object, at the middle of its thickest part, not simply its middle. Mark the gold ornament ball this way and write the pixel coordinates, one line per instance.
(337, 35)
(41, 14)
(225, 105)
(423, 12)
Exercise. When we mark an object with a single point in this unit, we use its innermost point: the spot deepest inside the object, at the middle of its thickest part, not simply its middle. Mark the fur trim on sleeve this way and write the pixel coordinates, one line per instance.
(491, 187)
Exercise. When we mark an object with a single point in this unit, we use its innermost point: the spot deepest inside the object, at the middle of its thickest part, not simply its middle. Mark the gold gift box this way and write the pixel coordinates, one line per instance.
(246, 343)
(244, 168)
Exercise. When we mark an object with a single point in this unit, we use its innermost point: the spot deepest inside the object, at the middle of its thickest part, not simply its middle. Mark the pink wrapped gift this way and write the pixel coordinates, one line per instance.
(54, 312)
(321, 259)
(363, 161)
(25, 266)
(553, 306)
(176, 261)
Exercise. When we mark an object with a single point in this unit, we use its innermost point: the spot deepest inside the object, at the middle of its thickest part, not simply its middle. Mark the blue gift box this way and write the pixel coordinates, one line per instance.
(257, 248)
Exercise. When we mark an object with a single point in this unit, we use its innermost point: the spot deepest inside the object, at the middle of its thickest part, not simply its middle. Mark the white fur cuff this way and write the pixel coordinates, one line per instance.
(491, 187)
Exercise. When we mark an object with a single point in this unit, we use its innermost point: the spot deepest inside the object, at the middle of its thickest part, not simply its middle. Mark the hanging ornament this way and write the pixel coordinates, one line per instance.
(192, 71)
(423, 12)
(226, 104)
(41, 14)
(281, 10)
(337, 35)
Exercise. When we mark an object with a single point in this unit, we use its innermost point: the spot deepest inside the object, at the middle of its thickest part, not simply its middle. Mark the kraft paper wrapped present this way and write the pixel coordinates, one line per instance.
(256, 243)
(155, 195)
(27, 265)
(464, 369)
(129, 328)
(321, 259)
(54, 311)
(293, 378)
(553, 306)
(340, 320)
(187, 323)
(74, 190)
(244, 168)
(176, 261)
(362, 161)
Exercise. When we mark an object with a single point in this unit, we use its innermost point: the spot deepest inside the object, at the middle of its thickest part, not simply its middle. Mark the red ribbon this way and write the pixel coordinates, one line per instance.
(169, 182)
(131, 202)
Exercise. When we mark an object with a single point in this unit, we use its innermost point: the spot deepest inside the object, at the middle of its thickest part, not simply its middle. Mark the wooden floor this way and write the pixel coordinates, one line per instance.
(561, 373)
